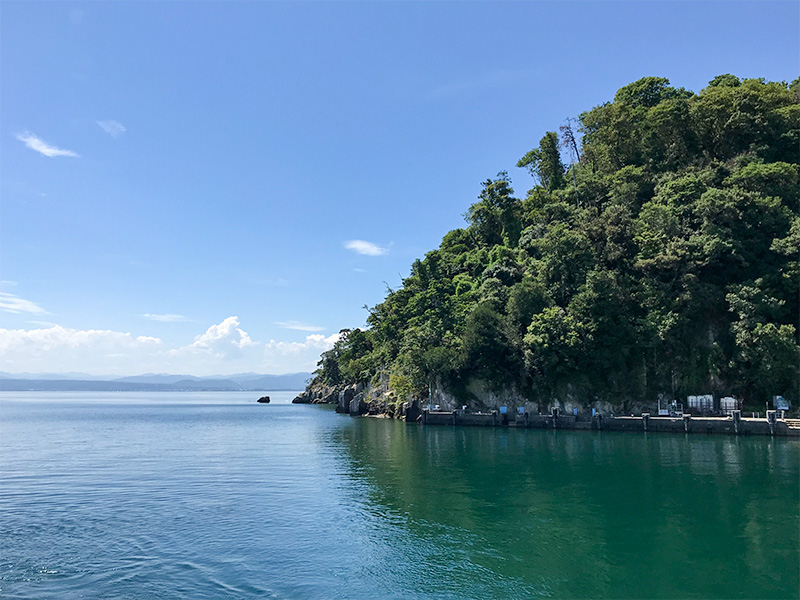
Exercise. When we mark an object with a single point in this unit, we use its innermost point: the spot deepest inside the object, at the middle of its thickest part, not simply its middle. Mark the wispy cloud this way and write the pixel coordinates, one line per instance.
(298, 325)
(168, 318)
(497, 78)
(43, 323)
(367, 248)
(14, 304)
(76, 16)
(39, 145)
(112, 128)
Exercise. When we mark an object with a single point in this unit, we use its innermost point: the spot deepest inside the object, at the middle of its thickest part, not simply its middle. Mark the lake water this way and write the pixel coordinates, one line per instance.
(210, 495)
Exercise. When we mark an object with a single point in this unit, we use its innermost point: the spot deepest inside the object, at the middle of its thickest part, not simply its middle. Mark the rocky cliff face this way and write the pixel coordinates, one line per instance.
(366, 397)
(375, 398)
(483, 397)
(317, 393)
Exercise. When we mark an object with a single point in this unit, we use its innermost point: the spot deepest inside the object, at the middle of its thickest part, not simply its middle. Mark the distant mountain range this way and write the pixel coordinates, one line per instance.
(151, 382)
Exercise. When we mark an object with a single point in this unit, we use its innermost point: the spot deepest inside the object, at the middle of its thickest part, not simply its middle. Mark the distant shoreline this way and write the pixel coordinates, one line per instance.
(68, 385)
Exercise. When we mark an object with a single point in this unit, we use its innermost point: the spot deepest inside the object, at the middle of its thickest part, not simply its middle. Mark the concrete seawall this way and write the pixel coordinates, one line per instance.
(734, 425)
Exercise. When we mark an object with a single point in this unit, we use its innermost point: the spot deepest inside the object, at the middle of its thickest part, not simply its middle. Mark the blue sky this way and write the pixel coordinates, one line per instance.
(219, 187)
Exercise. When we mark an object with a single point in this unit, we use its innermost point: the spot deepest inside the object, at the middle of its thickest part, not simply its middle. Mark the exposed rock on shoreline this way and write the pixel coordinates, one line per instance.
(317, 393)
(369, 398)
(363, 398)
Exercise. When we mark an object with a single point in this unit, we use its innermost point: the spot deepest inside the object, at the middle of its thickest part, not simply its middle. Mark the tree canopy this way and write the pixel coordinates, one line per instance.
(663, 257)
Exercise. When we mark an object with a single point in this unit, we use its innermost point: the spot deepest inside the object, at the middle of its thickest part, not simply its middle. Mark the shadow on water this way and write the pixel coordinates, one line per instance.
(514, 513)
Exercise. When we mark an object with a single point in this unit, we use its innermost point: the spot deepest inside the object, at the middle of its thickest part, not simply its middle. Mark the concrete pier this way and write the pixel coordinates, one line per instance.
(686, 424)
(460, 417)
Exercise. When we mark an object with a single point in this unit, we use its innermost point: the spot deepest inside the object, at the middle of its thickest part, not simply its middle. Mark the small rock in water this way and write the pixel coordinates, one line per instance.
(264, 400)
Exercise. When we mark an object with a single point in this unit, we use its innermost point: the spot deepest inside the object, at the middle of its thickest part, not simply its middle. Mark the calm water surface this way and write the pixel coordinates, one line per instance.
(210, 495)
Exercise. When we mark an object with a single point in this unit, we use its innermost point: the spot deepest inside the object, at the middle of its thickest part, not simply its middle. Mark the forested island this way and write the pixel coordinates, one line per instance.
(655, 256)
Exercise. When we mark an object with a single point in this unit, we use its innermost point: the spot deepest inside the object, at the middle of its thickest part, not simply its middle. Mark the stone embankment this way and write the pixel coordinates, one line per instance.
(731, 425)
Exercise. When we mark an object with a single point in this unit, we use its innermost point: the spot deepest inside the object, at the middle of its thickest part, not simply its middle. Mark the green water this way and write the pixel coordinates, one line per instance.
(212, 496)
(578, 514)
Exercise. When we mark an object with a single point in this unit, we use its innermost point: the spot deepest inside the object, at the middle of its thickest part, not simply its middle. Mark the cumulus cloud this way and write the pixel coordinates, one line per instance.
(298, 325)
(14, 304)
(57, 336)
(36, 143)
(224, 339)
(363, 247)
(168, 318)
(222, 348)
(58, 348)
(112, 128)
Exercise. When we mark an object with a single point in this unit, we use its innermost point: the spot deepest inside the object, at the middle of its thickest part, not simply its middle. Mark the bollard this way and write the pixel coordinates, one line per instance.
(686, 420)
(645, 420)
(772, 419)
(599, 421)
(737, 420)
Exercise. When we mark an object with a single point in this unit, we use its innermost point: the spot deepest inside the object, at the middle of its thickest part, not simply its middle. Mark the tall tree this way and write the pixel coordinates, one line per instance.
(545, 163)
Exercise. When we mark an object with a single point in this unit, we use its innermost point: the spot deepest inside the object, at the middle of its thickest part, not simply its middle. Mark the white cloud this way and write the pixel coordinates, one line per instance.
(220, 340)
(168, 318)
(363, 247)
(315, 341)
(222, 348)
(14, 304)
(35, 143)
(112, 128)
(299, 326)
(58, 348)
(57, 336)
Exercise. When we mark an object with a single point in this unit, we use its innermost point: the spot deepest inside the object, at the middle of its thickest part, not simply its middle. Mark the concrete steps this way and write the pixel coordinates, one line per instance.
(793, 423)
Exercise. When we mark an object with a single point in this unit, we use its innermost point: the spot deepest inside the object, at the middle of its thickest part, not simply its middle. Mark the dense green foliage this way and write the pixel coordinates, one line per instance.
(663, 259)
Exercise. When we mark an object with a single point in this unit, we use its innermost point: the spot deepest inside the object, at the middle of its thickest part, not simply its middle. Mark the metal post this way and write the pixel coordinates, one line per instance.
(772, 419)
(737, 420)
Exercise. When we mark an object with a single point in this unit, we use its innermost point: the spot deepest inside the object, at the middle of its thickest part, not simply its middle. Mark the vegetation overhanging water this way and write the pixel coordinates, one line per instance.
(661, 262)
